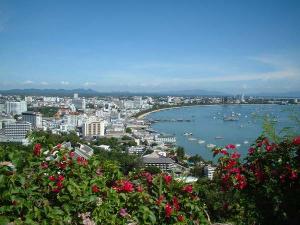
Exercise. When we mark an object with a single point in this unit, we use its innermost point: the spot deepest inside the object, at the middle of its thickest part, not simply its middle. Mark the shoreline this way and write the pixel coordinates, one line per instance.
(142, 116)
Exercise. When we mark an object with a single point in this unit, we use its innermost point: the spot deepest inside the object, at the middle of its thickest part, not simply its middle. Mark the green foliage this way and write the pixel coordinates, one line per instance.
(53, 187)
(180, 153)
(46, 111)
(128, 130)
(152, 169)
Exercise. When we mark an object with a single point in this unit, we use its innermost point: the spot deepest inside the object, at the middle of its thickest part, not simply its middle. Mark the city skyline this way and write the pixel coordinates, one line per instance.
(230, 46)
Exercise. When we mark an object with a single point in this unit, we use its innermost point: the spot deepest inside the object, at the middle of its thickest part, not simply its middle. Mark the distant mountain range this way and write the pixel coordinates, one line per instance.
(90, 93)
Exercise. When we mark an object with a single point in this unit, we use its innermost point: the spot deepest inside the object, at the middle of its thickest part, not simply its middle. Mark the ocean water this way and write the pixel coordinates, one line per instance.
(206, 123)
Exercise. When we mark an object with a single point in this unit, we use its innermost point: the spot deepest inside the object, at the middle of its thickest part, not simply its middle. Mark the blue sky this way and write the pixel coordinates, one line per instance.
(231, 46)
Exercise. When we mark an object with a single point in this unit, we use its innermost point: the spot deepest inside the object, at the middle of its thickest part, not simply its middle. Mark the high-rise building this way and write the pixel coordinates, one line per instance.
(75, 95)
(16, 107)
(34, 118)
(93, 128)
(17, 130)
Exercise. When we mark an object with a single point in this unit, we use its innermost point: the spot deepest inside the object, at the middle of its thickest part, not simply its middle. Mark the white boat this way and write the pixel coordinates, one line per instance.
(246, 142)
(192, 139)
(219, 137)
(201, 141)
(187, 134)
(210, 146)
(237, 145)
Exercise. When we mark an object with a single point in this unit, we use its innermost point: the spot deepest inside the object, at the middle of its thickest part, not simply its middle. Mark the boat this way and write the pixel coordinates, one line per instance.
(246, 142)
(219, 137)
(230, 118)
(210, 146)
(192, 139)
(201, 141)
(237, 145)
(187, 134)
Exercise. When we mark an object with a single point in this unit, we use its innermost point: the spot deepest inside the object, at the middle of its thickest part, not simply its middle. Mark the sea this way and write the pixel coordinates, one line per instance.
(207, 126)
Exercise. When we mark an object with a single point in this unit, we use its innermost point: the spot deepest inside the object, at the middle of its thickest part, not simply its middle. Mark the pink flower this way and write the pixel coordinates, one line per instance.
(188, 188)
(230, 146)
(55, 190)
(71, 154)
(123, 212)
(296, 140)
(58, 146)
(167, 179)
(168, 210)
(44, 165)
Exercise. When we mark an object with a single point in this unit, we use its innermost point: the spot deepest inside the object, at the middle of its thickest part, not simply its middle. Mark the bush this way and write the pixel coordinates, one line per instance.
(267, 180)
(56, 188)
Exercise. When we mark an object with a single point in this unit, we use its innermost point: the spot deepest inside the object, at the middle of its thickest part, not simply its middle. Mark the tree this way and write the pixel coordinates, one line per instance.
(180, 153)
(128, 130)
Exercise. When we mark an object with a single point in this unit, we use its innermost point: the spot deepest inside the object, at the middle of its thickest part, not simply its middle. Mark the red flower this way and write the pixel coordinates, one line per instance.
(59, 184)
(52, 178)
(176, 203)
(294, 175)
(139, 188)
(167, 179)
(56, 190)
(62, 165)
(188, 188)
(224, 152)
(95, 189)
(230, 164)
(230, 146)
(180, 218)
(235, 155)
(58, 146)
(37, 149)
(269, 148)
(159, 200)
(251, 151)
(60, 178)
(296, 140)
(82, 161)
(168, 210)
(216, 152)
(44, 165)
(126, 186)
(235, 170)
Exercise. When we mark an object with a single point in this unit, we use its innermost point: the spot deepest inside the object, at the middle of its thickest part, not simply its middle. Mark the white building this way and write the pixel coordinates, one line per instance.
(136, 150)
(93, 128)
(209, 171)
(165, 139)
(16, 107)
(16, 130)
(34, 118)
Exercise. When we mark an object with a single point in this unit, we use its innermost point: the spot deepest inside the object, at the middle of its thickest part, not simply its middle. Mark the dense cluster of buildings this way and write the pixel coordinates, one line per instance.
(96, 117)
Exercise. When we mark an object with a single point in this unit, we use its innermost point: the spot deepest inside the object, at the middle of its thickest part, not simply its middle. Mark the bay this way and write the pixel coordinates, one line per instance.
(207, 123)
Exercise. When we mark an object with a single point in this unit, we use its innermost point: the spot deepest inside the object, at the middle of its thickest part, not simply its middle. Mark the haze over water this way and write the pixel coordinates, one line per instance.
(207, 123)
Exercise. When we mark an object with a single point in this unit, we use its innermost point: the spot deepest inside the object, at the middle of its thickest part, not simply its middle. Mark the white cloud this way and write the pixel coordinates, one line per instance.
(28, 82)
(65, 82)
(44, 83)
(89, 84)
